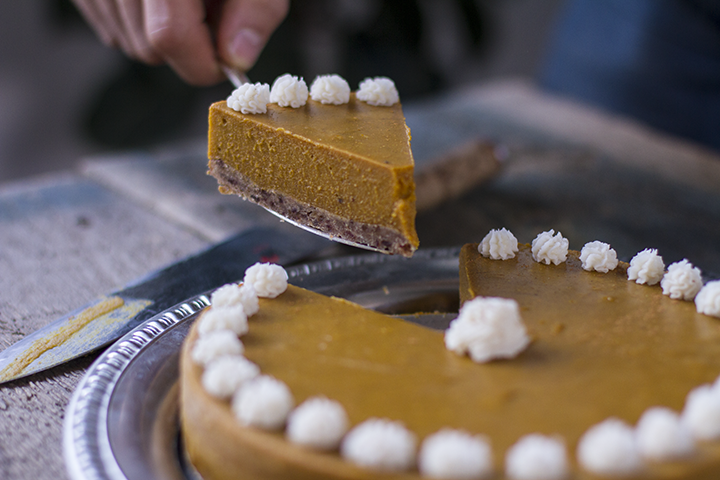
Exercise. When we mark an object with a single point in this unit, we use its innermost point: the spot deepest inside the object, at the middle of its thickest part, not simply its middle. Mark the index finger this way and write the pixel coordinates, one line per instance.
(245, 27)
(177, 30)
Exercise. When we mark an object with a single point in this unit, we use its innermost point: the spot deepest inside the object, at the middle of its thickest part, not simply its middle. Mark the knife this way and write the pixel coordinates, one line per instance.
(110, 317)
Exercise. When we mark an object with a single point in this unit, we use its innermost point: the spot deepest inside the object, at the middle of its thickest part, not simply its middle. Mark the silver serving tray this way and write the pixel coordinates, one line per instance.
(122, 421)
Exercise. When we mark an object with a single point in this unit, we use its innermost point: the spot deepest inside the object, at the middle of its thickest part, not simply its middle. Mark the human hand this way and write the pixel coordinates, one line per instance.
(191, 36)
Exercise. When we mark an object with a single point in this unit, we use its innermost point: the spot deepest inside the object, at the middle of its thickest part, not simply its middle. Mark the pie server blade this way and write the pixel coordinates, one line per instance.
(320, 233)
(109, 317)
(235, 76)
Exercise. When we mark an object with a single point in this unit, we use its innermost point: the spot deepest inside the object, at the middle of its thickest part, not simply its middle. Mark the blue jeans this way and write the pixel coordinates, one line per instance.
(655, 60)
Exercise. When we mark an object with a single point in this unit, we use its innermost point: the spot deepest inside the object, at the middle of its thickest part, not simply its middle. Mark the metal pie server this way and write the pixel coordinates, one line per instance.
(110, 317)
(235, 76)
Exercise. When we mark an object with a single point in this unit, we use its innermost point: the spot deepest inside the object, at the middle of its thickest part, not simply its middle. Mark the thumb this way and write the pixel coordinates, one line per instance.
(244, 28)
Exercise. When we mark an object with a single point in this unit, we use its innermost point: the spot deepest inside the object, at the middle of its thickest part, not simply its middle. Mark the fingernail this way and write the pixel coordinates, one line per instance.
(245, 48)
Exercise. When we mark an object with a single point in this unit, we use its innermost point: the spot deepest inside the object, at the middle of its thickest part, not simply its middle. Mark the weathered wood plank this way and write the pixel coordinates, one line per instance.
(174, 185)
(625, 140)
(64, 241)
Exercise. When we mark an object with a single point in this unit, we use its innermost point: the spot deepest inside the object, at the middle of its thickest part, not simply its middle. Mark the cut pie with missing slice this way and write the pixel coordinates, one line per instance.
(603, 347)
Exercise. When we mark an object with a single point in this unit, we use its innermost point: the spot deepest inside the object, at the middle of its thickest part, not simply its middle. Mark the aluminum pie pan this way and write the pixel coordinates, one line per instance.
(122, 420)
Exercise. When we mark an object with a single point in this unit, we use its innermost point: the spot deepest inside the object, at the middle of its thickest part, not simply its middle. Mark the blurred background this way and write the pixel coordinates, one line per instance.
(63, 95)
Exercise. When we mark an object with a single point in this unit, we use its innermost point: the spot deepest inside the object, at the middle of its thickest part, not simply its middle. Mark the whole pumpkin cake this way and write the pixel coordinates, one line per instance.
(570, 372)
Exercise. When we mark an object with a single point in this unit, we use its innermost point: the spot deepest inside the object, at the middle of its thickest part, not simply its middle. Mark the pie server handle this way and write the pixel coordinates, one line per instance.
(108, 318)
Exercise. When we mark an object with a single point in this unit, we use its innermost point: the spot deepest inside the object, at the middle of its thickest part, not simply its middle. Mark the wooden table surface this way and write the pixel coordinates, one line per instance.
(66, 239)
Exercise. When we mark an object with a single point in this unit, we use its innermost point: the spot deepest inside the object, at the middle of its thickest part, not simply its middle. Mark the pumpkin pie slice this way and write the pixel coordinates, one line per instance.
(345, 170)
(602, 347)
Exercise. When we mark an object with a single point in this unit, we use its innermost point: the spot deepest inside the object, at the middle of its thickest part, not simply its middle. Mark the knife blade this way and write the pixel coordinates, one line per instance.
(111, 316)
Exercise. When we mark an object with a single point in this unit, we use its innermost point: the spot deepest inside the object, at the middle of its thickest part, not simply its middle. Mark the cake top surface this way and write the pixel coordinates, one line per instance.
(375, 133)
(589, 326)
